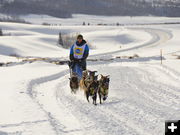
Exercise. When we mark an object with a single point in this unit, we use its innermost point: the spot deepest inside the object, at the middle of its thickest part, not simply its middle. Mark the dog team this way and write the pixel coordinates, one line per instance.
(91, 86)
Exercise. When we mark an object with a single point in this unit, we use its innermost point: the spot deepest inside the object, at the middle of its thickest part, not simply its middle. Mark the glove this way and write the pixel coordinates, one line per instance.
(77, 60)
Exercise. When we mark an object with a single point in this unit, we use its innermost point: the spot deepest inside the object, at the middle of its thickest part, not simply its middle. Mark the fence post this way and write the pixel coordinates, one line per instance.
(161, 56)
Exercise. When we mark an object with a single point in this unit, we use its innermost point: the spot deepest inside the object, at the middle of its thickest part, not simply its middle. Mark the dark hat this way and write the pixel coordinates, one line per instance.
(80, 36)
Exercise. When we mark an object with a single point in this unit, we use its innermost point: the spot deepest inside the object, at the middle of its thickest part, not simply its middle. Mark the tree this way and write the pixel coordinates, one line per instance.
(1, 33)
(60, 41)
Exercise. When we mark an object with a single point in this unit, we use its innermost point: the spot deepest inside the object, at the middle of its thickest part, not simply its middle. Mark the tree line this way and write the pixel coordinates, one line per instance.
(65, 8)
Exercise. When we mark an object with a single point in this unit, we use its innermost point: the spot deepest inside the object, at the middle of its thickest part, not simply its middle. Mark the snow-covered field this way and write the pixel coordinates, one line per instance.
(35, 98)
(78, 19)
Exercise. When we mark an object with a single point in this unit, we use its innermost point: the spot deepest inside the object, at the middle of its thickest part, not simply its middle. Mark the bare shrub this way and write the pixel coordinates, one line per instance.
(46, 24)
(14, 55)
(14, 19)
(136, 56)
(67, 40)
(1, 64)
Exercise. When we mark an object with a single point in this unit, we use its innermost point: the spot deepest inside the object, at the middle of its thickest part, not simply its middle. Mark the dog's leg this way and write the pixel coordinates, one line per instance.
(95, 97)
(73, 91)
(100, 97)
(87, 96)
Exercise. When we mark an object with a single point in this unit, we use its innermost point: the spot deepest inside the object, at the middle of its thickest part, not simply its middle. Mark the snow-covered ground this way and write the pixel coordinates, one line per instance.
(78, 19)
(35, 98)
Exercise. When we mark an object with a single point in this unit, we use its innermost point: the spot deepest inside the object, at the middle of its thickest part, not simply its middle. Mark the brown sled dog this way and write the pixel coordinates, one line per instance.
(82, 81)
(103, 88)
(87, 78)
(74, 83)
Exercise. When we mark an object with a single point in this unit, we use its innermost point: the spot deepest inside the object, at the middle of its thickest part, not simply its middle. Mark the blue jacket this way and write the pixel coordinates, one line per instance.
(86, 51)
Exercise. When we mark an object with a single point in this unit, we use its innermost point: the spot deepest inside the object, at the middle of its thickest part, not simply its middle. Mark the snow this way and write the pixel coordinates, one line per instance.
(35, 98)
(78, 19)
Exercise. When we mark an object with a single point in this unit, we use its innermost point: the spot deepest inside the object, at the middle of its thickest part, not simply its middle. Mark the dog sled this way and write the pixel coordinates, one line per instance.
(75, 70)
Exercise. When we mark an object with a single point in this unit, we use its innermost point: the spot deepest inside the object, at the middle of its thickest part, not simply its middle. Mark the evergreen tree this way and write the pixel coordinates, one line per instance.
(60, 41)
(1, 33)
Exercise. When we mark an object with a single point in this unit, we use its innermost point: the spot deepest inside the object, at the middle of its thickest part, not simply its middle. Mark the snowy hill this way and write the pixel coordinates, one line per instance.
(35, 97)
(64, 8)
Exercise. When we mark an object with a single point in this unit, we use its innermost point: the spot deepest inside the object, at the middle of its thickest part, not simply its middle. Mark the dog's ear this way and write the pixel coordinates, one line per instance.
(89, 71)
(92, 71)
(107, 76)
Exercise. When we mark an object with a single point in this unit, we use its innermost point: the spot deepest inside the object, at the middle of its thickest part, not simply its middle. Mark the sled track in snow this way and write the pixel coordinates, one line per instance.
(158, 37)
(93, 117)
(109, 114)
(107, 118)
(33, 94)
(117, 117)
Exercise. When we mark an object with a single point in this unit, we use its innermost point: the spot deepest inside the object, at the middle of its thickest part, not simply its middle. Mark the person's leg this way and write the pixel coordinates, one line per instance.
(73, 66)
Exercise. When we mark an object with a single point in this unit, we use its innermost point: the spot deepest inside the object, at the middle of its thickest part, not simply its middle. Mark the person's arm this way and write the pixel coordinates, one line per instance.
(86, 52)
(71, 55)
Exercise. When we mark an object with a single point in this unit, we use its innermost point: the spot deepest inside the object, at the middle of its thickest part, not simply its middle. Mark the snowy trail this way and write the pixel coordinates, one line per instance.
(57, 127)
(122, 114)
(142, 95)
(158, 37)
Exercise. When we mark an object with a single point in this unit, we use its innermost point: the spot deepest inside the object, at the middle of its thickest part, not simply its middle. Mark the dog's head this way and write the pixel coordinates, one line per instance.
(92, 73)
(85, 74)
(74, 83)
(105, 79)
(74, 78)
